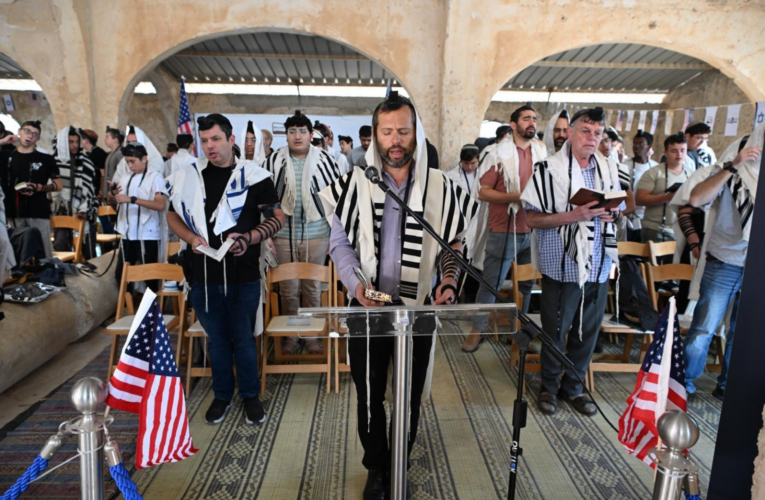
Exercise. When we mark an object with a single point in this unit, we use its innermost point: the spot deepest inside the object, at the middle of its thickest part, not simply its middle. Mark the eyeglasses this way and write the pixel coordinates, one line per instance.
(250, 141)
(296, 131)
(29, 131)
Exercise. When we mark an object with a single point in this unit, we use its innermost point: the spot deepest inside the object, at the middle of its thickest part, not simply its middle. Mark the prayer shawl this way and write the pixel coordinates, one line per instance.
(342, 162)
(476, 233)
(156, 163)
(743, 188)
(179, 160)
(319, 171)
(110, 168)
(145, 192)
(549, 132)
(504, 156)
(260, 151)
(79, 186)
(548, 190)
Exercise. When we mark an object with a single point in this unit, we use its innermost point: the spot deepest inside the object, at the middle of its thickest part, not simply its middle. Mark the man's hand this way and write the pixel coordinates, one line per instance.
(197, 241)
(9, 139)
(611, 215)
(696, 253)
(747, 154)
(122, 198)
(586, 212)
(364, 301)
(29, 190)
(446, 296)
(239, 247)
(82, 215)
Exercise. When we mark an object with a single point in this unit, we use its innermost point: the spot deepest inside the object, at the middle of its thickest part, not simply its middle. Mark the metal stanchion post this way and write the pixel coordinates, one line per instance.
(674, 469)
(87, 395)
(400, 423)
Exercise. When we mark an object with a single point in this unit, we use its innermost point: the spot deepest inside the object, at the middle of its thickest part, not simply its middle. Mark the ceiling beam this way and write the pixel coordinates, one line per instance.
(258, 55)
(620, 65)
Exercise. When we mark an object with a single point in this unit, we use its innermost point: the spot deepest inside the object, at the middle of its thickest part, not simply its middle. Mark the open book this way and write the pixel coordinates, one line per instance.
(606, 200)
(21, 186)
(219, 253)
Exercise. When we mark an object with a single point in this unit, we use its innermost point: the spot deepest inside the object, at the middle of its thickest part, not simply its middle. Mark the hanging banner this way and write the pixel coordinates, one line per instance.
(630, 117)
(641, 120)
(668, 116)
(619, 121)
(34, 99)
(654, 120)
(43, 100)
(709, 119)
(8, 103)
(731, 122)
(686, 118)
(609, 114)
(759, 113)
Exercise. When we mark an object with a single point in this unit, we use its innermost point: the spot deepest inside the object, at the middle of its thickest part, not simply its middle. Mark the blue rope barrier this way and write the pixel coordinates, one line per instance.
(22, 483)
(126, 485)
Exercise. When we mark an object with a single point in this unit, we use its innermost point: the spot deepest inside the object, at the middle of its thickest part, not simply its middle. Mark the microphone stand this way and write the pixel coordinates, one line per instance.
(529, 330)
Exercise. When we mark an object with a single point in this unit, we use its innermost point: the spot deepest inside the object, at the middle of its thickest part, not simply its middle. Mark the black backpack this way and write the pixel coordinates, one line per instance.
(634, 304)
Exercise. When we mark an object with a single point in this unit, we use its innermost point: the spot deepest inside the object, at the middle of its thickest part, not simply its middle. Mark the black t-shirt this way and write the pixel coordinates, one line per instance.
(244, 269)
(35, 167)
(98, 157)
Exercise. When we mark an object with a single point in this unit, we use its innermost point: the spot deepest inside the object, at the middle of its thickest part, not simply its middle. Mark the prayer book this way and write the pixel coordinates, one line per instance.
(219, 253)
(674, 187)
(606, 200)
(22, 185)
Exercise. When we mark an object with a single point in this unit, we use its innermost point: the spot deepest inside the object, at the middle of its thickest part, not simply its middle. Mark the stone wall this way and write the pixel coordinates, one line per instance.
(25, 111)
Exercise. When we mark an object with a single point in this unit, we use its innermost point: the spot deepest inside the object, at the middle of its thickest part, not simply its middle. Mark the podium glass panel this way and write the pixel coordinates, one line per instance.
(400, 323)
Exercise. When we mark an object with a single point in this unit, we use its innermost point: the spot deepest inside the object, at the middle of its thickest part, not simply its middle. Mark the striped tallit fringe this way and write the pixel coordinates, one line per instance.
(742, 198)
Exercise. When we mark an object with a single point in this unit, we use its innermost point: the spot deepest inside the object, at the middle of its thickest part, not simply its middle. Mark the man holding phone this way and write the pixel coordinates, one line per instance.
(32, 174)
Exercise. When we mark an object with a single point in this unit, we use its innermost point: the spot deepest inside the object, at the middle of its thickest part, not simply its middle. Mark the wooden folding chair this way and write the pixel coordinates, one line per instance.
(123, 322)
(68, 222)
(278, 327)
(103, 211)
(173, 294)
(339, 343)
(523, 272)
(661, 250)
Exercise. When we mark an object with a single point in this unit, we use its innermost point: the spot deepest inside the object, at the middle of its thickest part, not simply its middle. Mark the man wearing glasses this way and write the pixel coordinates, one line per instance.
(32, 174)
(300, 171)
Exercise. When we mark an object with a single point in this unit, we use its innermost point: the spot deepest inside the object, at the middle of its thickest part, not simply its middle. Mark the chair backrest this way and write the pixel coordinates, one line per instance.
(173, 247)
(633, 248)
(337, 296)
(295, 271)
(69, 222)
(661, 249)
(105, 210)
(522, 272)
(657, 274)
(144, 272)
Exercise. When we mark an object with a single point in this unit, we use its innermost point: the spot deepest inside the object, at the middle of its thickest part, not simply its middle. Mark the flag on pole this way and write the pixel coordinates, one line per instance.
(388, 88)
(660, 387)
(184, 116)
(146, 382)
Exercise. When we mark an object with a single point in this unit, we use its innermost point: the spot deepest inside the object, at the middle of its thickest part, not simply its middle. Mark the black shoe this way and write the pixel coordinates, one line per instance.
(718, 393)
(599, 348)
(253, 411)
(375, 487)
(216, 413)
(548, 403)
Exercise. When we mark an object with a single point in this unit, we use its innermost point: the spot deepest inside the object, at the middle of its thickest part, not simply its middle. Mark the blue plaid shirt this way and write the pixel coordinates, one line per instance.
(551, 245)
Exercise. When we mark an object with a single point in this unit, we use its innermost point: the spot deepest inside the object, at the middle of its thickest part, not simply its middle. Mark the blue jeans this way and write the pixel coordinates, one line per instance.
(719, 285)
(495, 268)
(230, 323)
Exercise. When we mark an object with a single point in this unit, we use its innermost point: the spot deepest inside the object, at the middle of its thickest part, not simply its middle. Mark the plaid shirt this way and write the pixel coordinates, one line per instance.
(551, 245)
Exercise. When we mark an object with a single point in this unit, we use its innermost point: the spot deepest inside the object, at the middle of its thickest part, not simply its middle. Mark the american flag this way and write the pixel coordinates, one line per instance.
(146, 382)
(660, 387)
(184, 116)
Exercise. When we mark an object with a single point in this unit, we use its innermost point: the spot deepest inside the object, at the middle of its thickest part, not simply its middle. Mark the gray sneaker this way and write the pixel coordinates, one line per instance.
(253, 411)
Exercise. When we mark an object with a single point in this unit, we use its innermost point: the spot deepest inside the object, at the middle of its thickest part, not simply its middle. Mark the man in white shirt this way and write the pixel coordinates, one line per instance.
(183, 157)
(639, 164)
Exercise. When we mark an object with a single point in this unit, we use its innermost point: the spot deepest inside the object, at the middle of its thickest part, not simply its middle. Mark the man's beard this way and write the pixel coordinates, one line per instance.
(529, 133)
(559, 142)
(385, 156)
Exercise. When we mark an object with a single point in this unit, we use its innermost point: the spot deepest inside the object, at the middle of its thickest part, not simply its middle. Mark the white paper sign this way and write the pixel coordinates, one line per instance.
(759, 113)
(630, 117)
(654, 120)
(668, 116)
(709, 119)
(619, 121)
(731, 122)
(686, 118)
(641, 120)
(8, 103)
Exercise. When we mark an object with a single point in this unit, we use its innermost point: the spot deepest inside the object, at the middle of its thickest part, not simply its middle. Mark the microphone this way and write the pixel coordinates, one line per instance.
(372, 175)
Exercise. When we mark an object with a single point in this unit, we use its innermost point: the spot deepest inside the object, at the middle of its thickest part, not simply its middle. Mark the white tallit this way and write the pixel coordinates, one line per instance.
(549, 133)
(475, 237)
(548, 190)
(145, 192)
(155, 161)
(260, 151)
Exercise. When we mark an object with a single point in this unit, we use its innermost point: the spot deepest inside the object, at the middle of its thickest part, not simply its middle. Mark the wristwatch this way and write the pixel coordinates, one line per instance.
(728, 165)
(133, 199)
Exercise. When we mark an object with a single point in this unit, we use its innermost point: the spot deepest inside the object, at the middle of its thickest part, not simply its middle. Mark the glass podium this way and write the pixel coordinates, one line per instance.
(400, 323)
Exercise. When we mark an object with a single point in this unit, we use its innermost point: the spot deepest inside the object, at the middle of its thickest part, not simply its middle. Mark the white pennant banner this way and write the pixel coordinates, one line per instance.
(654, 120)
(668, 116)
(619, 121)
(731, 122)
(641, 120)
(759, 113)
(709, 119)
(630, 117)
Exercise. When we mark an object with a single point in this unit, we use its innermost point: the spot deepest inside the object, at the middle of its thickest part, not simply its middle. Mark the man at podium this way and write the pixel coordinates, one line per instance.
(376, 246)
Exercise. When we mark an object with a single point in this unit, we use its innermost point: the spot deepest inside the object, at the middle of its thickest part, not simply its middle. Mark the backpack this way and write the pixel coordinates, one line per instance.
(634, 304)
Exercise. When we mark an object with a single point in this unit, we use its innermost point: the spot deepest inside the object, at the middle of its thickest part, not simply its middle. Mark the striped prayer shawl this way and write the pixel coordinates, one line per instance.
(744, 202)
(323, 171)
(358, 203)
(78, 187)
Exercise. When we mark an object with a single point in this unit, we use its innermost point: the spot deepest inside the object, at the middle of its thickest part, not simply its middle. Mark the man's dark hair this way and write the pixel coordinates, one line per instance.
(209, 121)
(115, 133)
(502, 130)
(469, 152)
(298, 120)
(645, 135)
(393, 102)
(90, 135)
(517, 113)
(172, 147)
(184, 140)
(678, 138)
(134, 150)
(612, 135)
(589, 115)
(32, 123)
(698, 128)
(323, 129)
(345, 138)
(365, 131)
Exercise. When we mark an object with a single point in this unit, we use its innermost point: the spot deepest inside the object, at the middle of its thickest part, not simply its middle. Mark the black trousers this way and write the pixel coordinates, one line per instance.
(561, 303)
(131, 252)
(374, 438)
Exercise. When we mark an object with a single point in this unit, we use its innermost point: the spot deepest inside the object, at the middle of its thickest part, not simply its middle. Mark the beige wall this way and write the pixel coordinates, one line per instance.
(24, 111)
(452, 56)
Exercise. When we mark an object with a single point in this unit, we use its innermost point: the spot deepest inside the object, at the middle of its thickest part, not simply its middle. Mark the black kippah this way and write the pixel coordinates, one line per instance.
(597, 114)
(393, 96)
(563, 114)
(297, 112)
(250, 129)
